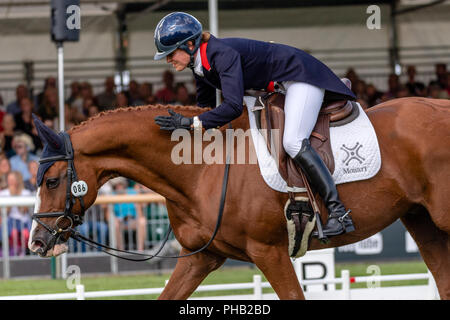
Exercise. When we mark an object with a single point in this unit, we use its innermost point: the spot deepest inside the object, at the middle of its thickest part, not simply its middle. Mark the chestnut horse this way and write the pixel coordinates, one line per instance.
(412, 184)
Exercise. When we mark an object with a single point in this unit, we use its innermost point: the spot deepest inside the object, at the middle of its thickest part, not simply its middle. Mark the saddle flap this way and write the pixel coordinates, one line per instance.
(272, 117)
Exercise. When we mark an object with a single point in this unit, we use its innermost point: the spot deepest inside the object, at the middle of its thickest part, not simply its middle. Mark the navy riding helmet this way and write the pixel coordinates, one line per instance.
(173, 31)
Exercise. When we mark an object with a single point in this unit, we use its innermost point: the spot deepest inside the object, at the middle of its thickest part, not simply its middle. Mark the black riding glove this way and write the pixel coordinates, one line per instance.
(174, 121)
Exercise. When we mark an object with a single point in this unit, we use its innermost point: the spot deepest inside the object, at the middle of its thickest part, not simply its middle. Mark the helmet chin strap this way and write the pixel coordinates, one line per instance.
(191, 62)
(191, 52)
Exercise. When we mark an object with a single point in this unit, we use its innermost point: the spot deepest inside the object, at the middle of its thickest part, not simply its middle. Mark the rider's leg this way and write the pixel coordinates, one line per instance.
(302, 106)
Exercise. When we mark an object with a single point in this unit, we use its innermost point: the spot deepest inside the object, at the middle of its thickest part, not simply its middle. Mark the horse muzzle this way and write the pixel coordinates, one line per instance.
(46, 245)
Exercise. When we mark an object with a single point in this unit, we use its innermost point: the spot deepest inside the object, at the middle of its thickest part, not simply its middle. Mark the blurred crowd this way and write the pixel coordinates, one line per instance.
(368, 95)
(20, 146)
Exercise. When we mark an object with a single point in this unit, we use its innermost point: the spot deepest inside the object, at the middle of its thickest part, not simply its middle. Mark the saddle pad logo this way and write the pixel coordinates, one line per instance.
(355, 150)
(353, 157)
(352, 154)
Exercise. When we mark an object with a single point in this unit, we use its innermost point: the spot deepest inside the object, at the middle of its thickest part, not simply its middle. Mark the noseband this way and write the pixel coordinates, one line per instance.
(75, 190)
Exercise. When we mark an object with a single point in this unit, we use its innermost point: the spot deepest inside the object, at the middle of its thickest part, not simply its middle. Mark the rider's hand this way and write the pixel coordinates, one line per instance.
(174, 121)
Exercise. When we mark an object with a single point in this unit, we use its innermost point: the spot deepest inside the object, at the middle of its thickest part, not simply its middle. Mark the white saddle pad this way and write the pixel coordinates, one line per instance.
(354, 145)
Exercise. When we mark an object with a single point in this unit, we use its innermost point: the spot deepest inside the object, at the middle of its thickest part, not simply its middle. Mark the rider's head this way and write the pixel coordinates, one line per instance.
(177, 38)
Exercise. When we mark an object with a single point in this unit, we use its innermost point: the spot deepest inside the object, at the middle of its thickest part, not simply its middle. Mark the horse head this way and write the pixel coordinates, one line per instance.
(62, 196)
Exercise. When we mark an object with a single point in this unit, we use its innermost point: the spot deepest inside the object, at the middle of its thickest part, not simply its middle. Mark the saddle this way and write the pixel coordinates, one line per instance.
(301, 213)
(269, 115)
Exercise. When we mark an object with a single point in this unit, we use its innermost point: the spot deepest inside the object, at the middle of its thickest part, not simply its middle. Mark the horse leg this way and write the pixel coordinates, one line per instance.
(189, 272)
(434, 246)
(277, 267)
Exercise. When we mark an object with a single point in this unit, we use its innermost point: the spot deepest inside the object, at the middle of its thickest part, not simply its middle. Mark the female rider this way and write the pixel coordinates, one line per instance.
(234, 65)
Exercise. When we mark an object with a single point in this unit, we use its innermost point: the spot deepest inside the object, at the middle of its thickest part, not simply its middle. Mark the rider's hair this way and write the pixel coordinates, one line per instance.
(205, 36)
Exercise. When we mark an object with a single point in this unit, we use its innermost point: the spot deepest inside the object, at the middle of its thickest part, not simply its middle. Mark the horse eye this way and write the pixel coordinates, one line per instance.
(52, 183)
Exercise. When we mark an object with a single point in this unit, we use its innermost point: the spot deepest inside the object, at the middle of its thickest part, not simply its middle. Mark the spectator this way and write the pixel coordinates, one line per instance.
(393, 83)
(75, 99)
(435, 91)
(8, 124)
(182, 95)
(23, 119)
(19, 218)
(95, 225)
(448, 84)
(106, 100)
(441, 75)
(30, 184)
(146, 94)
(167, 94)
(129, 217)
(50, 82)
(2, 114)
(133, 93)
(373, 95)
(14, 107)
(403, 92)
(73, 116)
(359, 88)
(48, 109)
(5, 168)
(22, 144)
(121, 100)
(87, 103)
(414, 87)
(93, 110)
(351, 75)
(24, 123)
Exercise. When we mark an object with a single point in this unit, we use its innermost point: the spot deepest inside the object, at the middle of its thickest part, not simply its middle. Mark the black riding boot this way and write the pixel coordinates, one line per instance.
(318, 175)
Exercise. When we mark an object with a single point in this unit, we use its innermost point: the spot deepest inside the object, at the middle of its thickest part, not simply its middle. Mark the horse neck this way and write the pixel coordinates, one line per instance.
(130, 144)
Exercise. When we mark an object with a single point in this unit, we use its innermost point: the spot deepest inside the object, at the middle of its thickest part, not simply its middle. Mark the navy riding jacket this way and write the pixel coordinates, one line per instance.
(235, 65)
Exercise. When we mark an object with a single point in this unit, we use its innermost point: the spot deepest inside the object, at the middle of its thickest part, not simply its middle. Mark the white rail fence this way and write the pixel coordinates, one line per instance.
(411, 292)
(153, 210)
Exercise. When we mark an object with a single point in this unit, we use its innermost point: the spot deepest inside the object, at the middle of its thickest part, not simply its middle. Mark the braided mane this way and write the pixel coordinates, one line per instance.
(137, 109)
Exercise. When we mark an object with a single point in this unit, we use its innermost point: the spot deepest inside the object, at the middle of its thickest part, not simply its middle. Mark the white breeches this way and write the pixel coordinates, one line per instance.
(301, 109)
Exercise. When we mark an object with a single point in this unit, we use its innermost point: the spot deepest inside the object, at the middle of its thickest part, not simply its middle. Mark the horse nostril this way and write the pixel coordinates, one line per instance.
(38, 246)
(39, 243)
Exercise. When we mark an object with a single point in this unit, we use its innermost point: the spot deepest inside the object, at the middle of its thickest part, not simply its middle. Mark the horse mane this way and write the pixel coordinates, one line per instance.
(137, 109)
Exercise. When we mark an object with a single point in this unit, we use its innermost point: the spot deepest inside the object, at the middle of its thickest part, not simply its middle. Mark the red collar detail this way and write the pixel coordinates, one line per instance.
(205, 62)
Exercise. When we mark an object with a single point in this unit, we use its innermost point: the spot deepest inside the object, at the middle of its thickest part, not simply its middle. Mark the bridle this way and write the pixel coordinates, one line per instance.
(76, 189)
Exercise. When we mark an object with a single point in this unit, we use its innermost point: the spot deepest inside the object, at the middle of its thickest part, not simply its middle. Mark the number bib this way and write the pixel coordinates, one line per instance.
(79, 188)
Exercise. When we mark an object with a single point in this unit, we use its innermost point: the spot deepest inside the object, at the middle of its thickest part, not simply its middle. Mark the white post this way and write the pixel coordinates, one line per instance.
(5, 244)
(432, 288)
(61, 85)
(257, 289)
(112, 238)
(214, 29)
(61, 260)
(345, 277)
(80, 291)
(64, 265)
(213, 18)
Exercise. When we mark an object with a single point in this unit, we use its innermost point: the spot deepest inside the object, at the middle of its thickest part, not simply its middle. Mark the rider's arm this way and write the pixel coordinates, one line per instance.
(227, 63)
(206, 94)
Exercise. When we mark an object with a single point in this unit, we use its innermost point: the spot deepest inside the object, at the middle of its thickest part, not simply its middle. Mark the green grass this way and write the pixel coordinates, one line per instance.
(223, 275)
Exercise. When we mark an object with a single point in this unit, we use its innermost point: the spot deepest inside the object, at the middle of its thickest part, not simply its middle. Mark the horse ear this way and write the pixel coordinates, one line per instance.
(47, 135)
